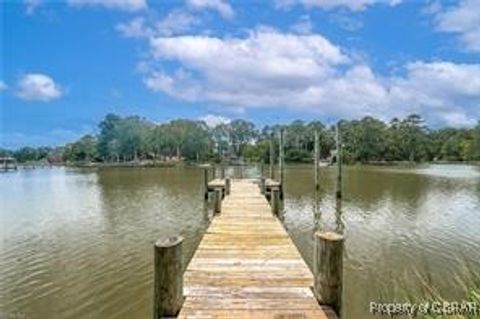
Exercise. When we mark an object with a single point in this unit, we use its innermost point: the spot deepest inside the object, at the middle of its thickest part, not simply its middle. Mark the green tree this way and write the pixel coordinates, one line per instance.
(241, 133)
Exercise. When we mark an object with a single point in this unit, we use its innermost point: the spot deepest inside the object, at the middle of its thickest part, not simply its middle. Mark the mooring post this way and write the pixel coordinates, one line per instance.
(328, 269)
(275, 200)
(168, 277)
(205, 183)
(271, 173)
(262, 185)
(218, 201)
(315, 161)
(280, 162)
(227, 185)
(339, 161)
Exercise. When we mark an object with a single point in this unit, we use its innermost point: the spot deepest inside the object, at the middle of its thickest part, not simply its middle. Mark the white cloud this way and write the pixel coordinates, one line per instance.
(464, 20)
(446, 92)
(127, 5)
(214, 120)
(222, 6)
(135, 28)
(308, 73)
(3, 86)
(174, 23)
(303, 26)
(354, 5)
(38, 87)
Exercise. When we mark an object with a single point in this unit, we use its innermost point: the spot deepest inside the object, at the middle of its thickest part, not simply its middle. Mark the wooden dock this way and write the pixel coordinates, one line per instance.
(246, 265)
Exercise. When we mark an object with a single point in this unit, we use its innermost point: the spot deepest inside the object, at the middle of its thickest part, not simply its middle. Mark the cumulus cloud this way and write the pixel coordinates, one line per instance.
(127, 5)
(214, 120)
(268, 68)
(135, 28)
(174, 23)
(354, 5)
(444, 91)
(38, 87)
(462, 19)
(303, 26)
(221, 6)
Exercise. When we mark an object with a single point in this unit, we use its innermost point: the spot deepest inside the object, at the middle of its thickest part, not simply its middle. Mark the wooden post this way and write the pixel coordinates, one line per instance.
(315, 161)
(339, 161)
(280, 162)
(227, 185)
(222, 172)
(328, 269)
(205, 183)
(275, 201)
(271, 173)
(168, 277)
(262, 185)
(218, 201)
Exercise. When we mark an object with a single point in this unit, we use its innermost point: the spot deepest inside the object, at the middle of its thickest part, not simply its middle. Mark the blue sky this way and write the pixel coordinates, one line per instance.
(65, 64)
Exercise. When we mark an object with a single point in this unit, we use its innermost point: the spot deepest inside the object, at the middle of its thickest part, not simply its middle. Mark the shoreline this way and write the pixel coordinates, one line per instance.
(154, 164)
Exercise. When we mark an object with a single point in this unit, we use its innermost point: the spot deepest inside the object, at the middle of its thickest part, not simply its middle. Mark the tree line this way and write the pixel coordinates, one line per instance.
(133, 139)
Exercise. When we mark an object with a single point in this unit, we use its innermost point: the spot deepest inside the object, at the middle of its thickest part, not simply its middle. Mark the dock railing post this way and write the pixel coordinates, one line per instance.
(218, 201)
(328, 269)
(271, 173)
(227, 185)
(168, 277)
(280, 162)
(275, 201)
(205, 183)
(315, 161)
(339, 162)
(262, 185)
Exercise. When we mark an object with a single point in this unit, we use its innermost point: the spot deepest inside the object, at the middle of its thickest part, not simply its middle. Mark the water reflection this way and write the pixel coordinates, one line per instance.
(400, 223)
(78, 243)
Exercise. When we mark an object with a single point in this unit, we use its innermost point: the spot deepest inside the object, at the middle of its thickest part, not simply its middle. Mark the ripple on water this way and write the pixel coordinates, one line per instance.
(78, 243)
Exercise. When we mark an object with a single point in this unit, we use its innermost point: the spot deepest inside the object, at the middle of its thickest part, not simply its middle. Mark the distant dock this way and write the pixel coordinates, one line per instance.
(8, 163)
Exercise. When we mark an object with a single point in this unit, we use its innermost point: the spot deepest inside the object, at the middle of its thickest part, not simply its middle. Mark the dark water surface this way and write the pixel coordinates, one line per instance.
(79, 243)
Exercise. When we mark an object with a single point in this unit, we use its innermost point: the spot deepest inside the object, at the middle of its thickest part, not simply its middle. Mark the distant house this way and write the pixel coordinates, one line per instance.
(8, 163)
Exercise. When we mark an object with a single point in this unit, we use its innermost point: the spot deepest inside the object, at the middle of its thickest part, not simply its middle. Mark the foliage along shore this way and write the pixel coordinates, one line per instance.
(134, 141)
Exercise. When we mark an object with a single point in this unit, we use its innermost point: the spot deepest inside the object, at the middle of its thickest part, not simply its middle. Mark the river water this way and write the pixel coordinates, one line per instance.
(78, 243)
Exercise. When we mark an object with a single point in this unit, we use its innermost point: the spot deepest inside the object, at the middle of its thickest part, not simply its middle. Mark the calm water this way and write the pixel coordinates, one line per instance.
(78, 243)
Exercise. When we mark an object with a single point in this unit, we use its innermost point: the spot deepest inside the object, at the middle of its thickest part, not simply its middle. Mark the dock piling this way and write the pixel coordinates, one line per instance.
(218, 201)
(275, 201)
(339, 162)
(262, 185)
(168, 277)
(281, 162)
(205, 183)
(271, 172)
(227, 185)
(328, 268)
(315, 161)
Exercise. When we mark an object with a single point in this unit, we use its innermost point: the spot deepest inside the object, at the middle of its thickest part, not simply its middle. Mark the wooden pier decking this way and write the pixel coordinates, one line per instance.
(246, 265)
